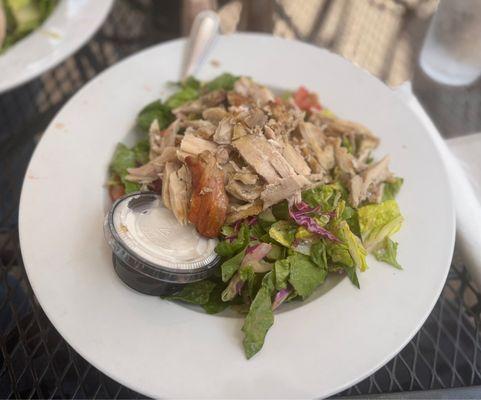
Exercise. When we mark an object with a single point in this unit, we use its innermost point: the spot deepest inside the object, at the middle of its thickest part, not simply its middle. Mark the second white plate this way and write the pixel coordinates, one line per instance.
(72, 23)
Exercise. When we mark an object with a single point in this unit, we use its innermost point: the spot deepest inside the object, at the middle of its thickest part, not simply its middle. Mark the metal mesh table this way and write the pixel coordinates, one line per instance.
(381, 36)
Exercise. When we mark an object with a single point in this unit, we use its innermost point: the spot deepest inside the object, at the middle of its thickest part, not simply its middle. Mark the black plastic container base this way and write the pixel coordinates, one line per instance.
(143, 284)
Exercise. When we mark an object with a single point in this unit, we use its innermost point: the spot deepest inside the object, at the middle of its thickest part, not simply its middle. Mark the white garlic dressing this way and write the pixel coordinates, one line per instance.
(151, 231)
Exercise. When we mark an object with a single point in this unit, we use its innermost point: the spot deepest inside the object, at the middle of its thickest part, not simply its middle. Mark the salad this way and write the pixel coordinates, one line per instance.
(292, 192)
(20, 17)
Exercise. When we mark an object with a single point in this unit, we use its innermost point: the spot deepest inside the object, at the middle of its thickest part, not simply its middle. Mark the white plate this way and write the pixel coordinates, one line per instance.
(71, 24)
(164, 349)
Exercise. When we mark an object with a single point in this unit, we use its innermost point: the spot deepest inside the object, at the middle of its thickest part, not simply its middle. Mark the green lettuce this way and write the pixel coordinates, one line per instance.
(338, 253)
(387, 252)
(268, 282)
(351, 273)
(378, 221)
(354, 245)
(258, 321)
(326, 196)
(281, 269)
(276, 253)
(215, 304)
(283, 232)
(225, 81)
(391, 189)
(280, 210)
(319, 254)
(304, 275)
(123, 159)
(228, 249)
(155, 110)
(231, 266)
(141, 151)
(194, 293)
(182, 96)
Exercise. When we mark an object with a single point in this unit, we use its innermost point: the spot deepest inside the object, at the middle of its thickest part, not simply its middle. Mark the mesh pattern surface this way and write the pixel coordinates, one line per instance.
(381, 36)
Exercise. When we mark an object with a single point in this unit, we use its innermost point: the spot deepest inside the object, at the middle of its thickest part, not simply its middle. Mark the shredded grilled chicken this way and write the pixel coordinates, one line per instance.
(208, 204)
(230, 155)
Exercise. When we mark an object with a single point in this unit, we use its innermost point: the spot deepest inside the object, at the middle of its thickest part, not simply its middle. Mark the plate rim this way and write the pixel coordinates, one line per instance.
(449, 196)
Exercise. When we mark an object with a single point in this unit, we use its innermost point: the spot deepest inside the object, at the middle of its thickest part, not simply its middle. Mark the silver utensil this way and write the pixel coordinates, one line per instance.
(202, 36)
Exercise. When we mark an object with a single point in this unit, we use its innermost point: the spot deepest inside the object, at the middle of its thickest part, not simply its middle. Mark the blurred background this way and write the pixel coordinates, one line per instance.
(383, 37)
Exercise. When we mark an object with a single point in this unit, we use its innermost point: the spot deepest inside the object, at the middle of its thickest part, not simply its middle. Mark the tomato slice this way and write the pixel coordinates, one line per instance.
(306, 100)
(116, 191)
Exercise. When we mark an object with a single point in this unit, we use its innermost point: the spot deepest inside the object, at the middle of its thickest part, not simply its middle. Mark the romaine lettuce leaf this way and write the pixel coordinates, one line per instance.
(391, 189)
(268, 282)
(215, 304)
(283, 232)
(338, 253)
(233, 288)
(319, 254)
(194, 293)
(187, 93)
(304, 275)
(124, 158)
(155, 110)
(326, 196)
(228, 249)
(141, 151)
(388, 253)
(351, 273)
(231, 266)
(378, 221)
(225, 81)
(280, 210)
(281, 273)
(356, 249)
(258, 321)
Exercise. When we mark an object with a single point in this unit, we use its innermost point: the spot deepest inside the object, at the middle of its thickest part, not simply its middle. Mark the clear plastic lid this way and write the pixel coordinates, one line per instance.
(146, 236)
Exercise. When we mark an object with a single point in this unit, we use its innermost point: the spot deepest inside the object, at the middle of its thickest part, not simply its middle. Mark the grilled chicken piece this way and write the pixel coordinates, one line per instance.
(283, 117)
(222, 155)
(283, 189)
(170, 168)
(214, 114)
(263, 157)
(212, 99)
(191, 107)
(375, 173)
(208, 205)
(179, 193)
(315, 139)
(295, 159)
(223, 133)
(150, 172)
(242, 191)
(246, 177)
(246, 87)
(255, 117)
(159, 140)
(196, 145)
(367, 183)
(238, 131)
(238, 212)
(346, 162)
(201, 128)
(237, 100)
(364, 139)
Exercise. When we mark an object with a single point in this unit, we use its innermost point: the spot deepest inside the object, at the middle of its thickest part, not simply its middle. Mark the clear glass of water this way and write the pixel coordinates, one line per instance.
(451, 52)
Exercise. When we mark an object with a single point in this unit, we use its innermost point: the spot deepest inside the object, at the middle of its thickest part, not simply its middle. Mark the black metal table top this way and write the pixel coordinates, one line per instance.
(35, 360)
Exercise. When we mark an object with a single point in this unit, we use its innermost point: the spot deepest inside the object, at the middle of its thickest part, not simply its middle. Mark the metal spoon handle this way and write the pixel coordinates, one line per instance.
(204, 31)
